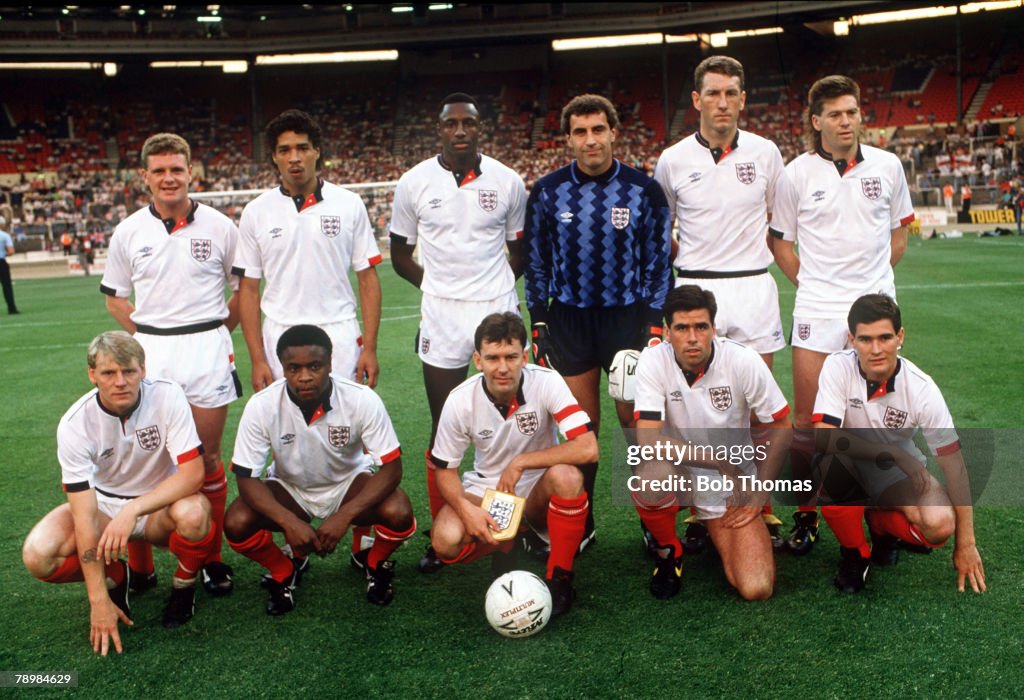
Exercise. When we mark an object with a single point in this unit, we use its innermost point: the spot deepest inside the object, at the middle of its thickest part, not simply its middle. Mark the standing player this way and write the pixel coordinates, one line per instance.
(848, 207)
(885, 399)
(597, 262)
(7, 248)
(720, 185)
(130, 465)
(704, 389)
(176, 256)
(462, 208)
(325, 433)
(302, 238)
(511, 413)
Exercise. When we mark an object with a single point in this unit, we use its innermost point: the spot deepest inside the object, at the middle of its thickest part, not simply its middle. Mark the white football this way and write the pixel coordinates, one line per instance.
(622, 375)
(518, 604)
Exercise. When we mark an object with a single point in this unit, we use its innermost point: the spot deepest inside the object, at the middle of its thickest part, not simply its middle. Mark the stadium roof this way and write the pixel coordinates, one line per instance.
(227, 31)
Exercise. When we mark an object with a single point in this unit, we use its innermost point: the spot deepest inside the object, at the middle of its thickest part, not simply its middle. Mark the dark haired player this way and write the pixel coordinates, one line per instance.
(847, 206)
(885, 399)
(596, 262)
(336, 458)
(703, 389)
(511, 413)
(462, 209)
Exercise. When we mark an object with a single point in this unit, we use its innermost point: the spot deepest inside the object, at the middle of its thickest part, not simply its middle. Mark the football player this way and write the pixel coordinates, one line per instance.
(131, 466)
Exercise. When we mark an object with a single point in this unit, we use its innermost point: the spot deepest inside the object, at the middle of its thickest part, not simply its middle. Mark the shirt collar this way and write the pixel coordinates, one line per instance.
(506, 410)
(131, 411)
(607, 176)
(841, 165)
(322, 406)
(876, 390)
(305, 201)
(463, 178)
(692, 377)
(170, 224)
(719, 153)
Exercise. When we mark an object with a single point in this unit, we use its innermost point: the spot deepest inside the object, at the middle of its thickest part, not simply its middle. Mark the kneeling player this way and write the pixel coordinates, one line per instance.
(885, 398)
(131, 465)
(326, 433)
(511, 413)
(703, 389)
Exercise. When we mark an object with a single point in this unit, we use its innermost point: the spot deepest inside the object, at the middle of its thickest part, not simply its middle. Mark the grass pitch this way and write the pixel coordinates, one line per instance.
(908, 633)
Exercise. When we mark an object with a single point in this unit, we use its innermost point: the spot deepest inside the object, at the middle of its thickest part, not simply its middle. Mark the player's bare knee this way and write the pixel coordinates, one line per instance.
(937, 524)
(446, 537)
(756, 588)
(396, 511)
(239, 524)
(36, 556)
(191, 517)
(566, 480)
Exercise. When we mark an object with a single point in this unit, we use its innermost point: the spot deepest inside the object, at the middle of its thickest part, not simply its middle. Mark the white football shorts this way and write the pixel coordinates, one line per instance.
(202, 364)
(748, 310)
(345, 337)
(447, 327)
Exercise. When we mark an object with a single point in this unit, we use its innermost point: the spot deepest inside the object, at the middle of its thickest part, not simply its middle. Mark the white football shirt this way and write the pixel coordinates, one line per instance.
(544, 406)
(177, 269)
(843, 226)
(721, 209)
(891, 412)
(126, 457)
(350, 430)
(461, 229)
(305, 251)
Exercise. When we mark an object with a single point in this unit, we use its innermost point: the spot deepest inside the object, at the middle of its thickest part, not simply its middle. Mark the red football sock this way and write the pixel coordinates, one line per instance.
(474, 550)
(140, 556)
(262, 550)
(68, 572)
(895, 523)
(359, 532)
(191, 555)
(847, 522)
(567, 520)
(660, 520)
(215, 488)
(433, 494)
(386, 542)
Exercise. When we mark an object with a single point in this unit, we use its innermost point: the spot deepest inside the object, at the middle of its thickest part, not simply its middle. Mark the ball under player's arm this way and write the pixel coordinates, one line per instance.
(367, 367)
(578, 450)
(104, 615)
(966, 558)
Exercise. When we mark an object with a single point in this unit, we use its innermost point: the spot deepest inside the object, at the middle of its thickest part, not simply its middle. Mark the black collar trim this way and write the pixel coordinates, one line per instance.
(692, 377)
(170, 224)
(841, 165)
(506, 410)
(877, 390)
(463, 178)
(305, 201)
(719, 153)
(311, 412)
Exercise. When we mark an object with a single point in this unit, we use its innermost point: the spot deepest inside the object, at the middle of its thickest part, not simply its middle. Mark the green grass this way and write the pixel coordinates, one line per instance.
(908, 633)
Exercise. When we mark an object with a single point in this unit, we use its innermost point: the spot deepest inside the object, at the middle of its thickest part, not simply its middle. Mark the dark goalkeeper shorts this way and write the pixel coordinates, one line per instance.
(589, 338)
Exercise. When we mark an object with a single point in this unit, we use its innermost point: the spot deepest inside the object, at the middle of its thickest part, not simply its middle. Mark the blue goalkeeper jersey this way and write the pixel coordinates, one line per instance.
(597, 242)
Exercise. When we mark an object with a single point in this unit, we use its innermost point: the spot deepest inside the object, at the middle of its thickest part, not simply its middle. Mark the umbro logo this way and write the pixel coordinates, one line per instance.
(275, 232)
(856, 403)
(221, 389)
(676, 395)
(288, 439)
(565, 216)
(435, 203)
(486, 433)
(107, 453)
(819, 196)
(694, 176)
(146, 252)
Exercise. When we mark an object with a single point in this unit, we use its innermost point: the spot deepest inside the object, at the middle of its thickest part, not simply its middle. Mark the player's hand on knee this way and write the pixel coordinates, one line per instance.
(480, 525)
(544, 352)
(262, 377)
(113, 542)
(738, 516)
